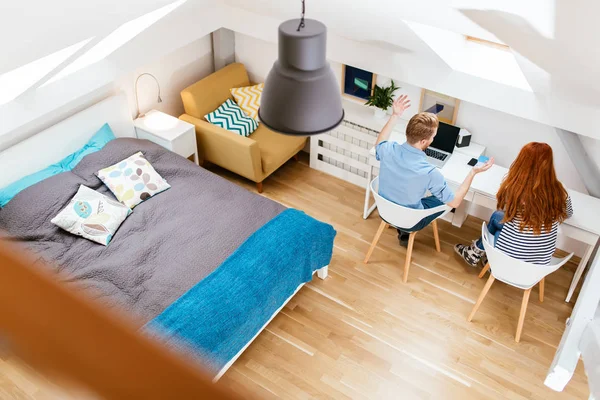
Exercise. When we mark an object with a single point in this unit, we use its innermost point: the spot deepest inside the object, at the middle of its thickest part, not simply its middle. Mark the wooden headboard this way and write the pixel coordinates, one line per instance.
(53, 144)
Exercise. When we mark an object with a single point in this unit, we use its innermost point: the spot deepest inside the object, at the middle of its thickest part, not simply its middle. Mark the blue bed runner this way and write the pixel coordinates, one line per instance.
(217, 317)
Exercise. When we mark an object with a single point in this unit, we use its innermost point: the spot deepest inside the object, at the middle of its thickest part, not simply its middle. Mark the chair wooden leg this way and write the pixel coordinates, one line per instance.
(297, 157)
(542, 282)
(382, 226)
(259, 187)
(484, 292)
(484, 270)
(522, 314)
(436, 236)
(411, 242)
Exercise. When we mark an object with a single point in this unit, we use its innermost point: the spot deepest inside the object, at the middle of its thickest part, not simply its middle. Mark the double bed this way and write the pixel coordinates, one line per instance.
(202, 267)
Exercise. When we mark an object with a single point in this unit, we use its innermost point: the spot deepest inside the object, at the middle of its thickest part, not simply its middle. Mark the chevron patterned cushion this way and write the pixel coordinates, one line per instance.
(248, 98)
(231, 117)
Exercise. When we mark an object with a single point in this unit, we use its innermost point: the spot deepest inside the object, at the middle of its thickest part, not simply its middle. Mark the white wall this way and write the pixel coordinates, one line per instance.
(257, 55)
(409, 59)
(592, 147)
(45, 106)
(174, 71)
(503, 134)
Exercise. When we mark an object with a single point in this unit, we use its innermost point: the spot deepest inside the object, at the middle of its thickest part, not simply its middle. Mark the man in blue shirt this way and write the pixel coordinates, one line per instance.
(405, 174)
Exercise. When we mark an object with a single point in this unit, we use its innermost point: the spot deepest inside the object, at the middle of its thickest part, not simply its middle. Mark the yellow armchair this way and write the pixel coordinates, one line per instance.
(254, 157)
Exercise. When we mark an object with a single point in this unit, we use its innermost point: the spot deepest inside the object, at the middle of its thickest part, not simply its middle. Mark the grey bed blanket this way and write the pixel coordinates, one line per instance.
(168, 244)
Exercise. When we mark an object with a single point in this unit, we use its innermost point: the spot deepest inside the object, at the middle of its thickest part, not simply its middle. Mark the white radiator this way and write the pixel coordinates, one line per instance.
(343, 152)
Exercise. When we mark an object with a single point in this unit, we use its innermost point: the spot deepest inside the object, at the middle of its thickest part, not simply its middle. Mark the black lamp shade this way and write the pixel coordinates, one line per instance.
(301, 95)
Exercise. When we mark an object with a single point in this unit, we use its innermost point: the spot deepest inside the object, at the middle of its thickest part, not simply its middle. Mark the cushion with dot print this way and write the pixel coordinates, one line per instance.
(133, 180)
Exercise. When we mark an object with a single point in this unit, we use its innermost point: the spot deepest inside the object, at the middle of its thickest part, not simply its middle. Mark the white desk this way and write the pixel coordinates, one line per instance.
(583, 226)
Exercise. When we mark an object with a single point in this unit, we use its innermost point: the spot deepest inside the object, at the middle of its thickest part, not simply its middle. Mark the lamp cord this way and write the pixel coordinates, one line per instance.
(137, 103)
(301, 25)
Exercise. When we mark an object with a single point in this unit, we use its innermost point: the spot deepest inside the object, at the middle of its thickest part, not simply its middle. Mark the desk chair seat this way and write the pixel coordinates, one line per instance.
(513, 272)
(403, 218)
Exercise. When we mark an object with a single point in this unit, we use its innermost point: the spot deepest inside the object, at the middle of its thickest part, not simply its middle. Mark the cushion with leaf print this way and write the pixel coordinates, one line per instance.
(133, 180)
(92, 215)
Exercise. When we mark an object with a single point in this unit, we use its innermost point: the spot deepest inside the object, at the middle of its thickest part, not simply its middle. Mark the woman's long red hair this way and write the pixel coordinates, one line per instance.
(532, 191)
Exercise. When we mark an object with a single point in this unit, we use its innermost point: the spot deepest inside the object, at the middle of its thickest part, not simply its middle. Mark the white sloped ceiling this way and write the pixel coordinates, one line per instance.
(32, 29)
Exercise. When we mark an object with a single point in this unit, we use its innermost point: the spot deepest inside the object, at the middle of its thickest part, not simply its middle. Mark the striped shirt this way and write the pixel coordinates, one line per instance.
(527, 246)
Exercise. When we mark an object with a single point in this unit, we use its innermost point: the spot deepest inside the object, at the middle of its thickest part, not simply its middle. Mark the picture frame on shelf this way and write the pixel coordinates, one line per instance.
(357, 83)
(445, 107)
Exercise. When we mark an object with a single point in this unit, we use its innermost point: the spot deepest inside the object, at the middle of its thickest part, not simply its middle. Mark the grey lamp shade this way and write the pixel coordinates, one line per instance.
(301, 95)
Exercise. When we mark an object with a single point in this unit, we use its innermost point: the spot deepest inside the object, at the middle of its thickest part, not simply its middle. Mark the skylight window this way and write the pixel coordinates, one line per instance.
(478, 57)
(17, 81)
(540, 14)
(116, 39)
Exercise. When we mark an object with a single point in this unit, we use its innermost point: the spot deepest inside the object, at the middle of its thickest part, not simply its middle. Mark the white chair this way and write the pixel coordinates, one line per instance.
(403, 218)
(517, 273)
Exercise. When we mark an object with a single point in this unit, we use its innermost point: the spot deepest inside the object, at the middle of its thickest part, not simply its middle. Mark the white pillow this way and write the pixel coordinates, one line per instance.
(133, 180)
(92, 215)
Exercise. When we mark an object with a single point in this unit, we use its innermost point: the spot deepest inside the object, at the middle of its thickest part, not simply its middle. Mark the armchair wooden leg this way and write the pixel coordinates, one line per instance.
(259, 187)
(542, 282)
(436, 236)
(296, 157)
(382, 226)
(484, 292)
(522, 314)
(411, 242)
(484, 270)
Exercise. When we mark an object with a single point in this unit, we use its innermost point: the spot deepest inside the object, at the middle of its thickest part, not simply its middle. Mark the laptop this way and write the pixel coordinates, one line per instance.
(443, 144)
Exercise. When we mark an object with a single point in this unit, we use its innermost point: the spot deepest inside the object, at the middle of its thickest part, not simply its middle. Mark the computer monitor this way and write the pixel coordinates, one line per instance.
(445, 139)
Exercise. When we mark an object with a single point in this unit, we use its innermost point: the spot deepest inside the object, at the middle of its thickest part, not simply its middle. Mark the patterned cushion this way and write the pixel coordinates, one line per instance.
(231, 117)
(248, 98)
(133, 180)
(92, 215)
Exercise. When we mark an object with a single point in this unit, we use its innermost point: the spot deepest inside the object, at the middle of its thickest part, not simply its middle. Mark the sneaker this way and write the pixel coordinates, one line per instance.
(484, 260)
(403, 239)
(471, 254)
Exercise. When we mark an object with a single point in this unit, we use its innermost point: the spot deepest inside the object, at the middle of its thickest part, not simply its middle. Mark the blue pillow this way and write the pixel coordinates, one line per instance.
(100, 138)
(10, 191)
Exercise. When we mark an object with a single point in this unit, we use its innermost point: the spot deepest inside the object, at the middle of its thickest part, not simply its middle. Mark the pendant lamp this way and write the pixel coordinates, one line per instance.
(301, 95)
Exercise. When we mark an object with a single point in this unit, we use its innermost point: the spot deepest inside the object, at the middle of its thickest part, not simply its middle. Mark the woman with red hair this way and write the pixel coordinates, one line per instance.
(531, 205)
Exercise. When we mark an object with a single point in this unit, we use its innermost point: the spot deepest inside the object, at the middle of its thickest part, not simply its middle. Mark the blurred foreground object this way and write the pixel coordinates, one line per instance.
(61, 332)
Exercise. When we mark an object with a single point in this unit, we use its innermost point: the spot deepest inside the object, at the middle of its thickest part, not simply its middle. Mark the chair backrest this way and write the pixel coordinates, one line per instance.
(515, 272)
(400, 216)
(209, 93)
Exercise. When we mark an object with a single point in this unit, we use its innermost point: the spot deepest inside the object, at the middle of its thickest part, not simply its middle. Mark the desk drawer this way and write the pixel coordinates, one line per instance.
(485, 201)
(578, 234)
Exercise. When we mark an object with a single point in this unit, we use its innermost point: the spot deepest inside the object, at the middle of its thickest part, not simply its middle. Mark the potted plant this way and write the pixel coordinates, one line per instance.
(382, 98)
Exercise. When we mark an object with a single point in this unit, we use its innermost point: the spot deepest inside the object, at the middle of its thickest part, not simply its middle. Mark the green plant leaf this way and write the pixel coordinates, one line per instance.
(382, 98)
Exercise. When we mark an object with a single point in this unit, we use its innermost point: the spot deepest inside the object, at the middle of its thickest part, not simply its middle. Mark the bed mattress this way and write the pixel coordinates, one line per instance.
(167, 245)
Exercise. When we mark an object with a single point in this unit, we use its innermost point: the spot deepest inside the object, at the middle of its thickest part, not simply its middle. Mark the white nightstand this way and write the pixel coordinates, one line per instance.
(169, 132)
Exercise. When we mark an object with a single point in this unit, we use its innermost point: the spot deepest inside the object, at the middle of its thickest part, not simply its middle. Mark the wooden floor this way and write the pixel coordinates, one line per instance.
(362, 333)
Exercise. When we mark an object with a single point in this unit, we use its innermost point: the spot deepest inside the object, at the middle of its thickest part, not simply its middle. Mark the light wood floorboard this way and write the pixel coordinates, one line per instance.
(371, 336)
(363, 334)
